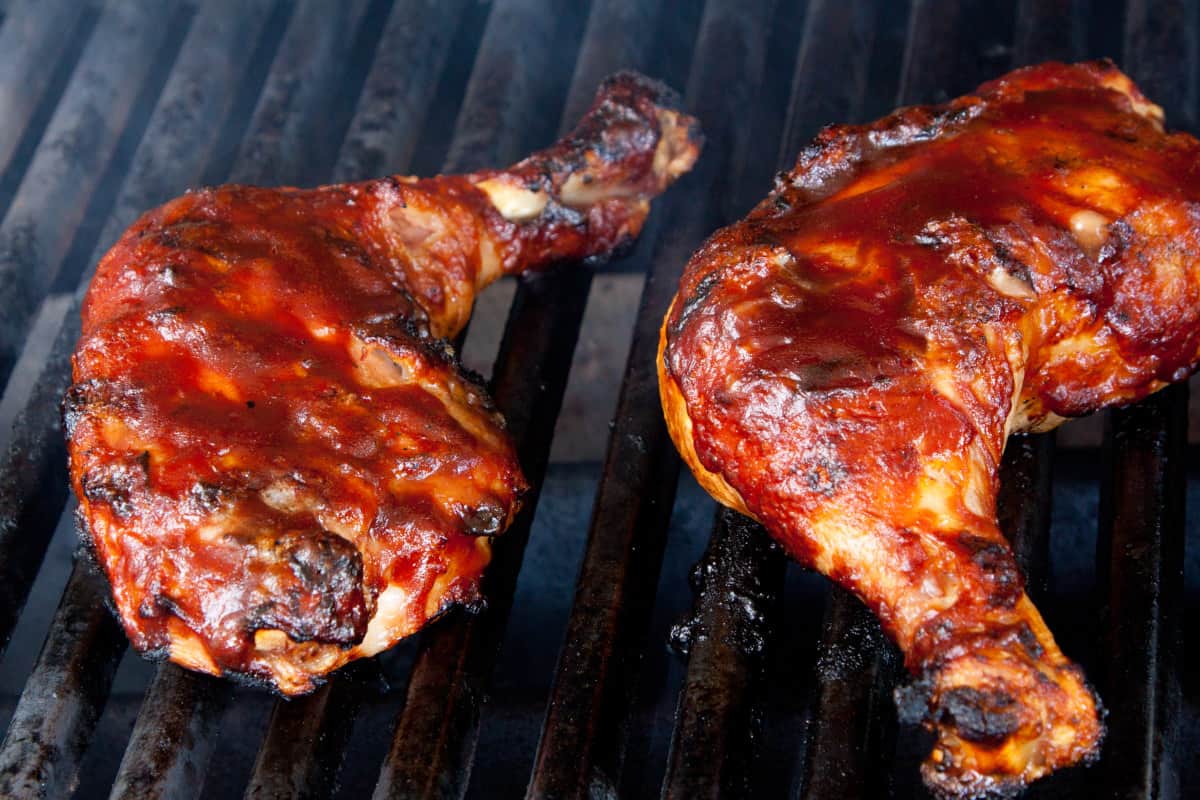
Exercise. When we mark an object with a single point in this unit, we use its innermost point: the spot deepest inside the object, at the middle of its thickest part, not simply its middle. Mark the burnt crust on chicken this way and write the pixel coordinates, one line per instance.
(280, 463)
(846, 364)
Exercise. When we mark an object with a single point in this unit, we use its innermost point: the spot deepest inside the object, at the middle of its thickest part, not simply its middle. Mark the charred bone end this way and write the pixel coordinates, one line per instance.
(1002, 720)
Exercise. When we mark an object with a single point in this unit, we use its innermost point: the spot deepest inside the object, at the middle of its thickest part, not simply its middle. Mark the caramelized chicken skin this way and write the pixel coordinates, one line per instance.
(278, 460)
(846, 364)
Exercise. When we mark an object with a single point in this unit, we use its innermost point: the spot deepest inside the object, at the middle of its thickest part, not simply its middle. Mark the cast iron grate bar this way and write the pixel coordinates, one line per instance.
(296, 727)
(400, 89)
(1023, 506)
(38, 56)
(303, 748)
(1141, 545)
(169, 158)
(829, 82)
(1140, 555)
(582, 738)
(52, 725)
(284, 142)
(1161, 55)
(310, 55)
(168, 751)
(853, 725)
(738, 584)
(1049, 30)
(948, 52)
(724, 673)
(34, 237)
(511, 78)
(306, 738)
(435, 737)
(50, 205)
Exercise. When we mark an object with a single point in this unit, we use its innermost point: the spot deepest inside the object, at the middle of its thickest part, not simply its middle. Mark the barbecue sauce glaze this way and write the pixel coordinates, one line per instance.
(280, 464)
(846, 364)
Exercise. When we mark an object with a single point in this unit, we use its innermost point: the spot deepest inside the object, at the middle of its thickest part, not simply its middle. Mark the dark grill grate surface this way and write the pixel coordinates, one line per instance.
(113, 107)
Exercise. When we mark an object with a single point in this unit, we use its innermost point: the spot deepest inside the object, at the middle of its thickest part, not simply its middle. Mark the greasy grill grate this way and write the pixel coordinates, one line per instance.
(110, 108)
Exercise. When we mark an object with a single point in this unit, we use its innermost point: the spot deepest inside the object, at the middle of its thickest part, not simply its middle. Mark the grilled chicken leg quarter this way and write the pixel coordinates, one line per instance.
(846, 364)
(278, 460)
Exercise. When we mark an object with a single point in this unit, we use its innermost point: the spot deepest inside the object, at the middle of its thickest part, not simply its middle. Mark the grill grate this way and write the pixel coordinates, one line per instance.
(113, 106)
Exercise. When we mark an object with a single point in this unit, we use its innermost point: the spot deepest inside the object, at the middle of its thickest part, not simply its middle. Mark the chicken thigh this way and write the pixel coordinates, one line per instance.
(279, 463)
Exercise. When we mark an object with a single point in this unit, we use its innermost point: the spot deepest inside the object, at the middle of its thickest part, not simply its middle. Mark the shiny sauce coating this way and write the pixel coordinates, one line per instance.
(280, 464)
(258, 400)
(847, 362)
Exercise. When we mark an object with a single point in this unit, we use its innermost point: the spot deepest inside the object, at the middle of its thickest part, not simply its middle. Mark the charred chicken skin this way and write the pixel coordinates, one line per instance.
(846, 363)
(278, 460)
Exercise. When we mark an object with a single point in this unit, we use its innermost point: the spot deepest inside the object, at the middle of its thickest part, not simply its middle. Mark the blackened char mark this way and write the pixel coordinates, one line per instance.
(982, 716)
(486, 519)
(310, 586)
(995, 560)
(620, 131)
(628, 97)
(693, 301)
(115, 483)
(74, 407)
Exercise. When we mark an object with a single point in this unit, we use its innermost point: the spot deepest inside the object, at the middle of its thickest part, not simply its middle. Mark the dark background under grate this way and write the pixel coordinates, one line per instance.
(565, 687)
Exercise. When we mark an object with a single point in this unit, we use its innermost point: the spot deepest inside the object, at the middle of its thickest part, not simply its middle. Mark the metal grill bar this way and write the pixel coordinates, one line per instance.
(50, 205)
(1024, 505)
(32, 38)
(942, 50)
(722, 681)
(169, 748)
(830, 78)
(32, 493)
(510, 77)
(1049, 29)
(853, 724)
(1140, 557)
(619, 35)
(437, 730)
(582, 740)
(740, 579)
(1141, 545)
(1161, 55)
(282, 143)
(65, 704)
(305, 737)
(33, 239)
(309, 58)
(399, 89)
(52, 725)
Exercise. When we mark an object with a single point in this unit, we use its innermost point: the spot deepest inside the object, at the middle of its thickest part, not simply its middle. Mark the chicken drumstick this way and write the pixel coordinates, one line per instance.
(846, 364)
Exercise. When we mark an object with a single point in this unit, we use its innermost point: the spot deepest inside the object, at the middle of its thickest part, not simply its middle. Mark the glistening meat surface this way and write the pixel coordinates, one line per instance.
(278, 460)
(846, 364)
